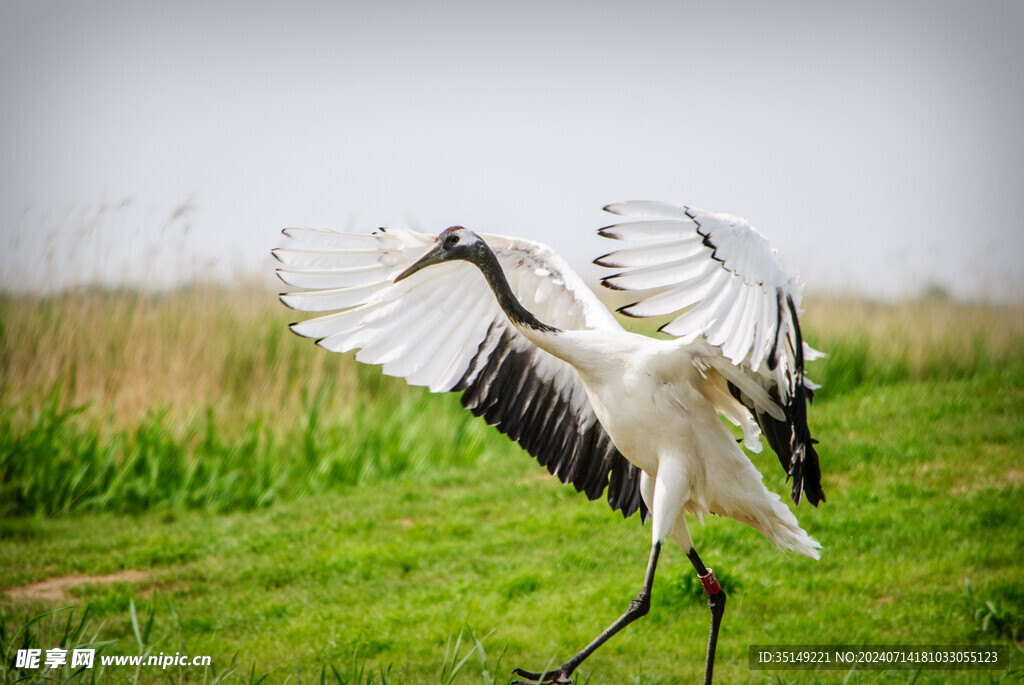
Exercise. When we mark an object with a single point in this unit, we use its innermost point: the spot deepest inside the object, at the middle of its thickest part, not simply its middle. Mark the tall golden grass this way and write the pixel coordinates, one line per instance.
(922, 333)
(124, 353)
(205, 347)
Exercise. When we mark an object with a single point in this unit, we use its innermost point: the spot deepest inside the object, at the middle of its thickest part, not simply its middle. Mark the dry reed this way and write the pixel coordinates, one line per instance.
(126, 353)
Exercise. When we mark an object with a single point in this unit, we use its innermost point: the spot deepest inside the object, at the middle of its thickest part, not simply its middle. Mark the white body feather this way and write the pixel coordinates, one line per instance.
(660, 403)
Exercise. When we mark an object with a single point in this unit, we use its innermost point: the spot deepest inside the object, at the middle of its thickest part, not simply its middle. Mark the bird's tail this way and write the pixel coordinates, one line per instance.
(754, 504)
(783, 530)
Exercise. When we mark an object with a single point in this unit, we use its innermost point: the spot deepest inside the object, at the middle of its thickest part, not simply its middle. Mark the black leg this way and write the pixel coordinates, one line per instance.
(716, 603)
(637, 608)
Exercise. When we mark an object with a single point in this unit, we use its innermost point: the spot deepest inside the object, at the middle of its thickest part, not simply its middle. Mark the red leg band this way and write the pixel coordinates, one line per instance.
(710, 583)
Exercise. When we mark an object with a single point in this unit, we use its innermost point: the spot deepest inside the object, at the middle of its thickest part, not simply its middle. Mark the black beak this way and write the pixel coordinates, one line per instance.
(435, 256)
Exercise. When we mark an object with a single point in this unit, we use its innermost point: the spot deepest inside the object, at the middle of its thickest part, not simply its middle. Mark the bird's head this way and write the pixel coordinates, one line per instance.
(452, 243)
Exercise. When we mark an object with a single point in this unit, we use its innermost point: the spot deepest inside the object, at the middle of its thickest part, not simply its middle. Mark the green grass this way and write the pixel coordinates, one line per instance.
(339, 527)
(56, 461)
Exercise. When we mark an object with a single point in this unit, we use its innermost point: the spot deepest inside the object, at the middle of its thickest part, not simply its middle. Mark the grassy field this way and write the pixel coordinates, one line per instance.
(186, 476)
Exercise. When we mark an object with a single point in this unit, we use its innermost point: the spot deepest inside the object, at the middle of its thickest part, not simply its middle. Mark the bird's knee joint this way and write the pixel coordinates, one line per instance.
(716, 602)
(641, 605)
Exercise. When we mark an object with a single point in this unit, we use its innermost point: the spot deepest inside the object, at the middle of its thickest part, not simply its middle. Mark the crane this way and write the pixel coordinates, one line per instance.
(533, 351)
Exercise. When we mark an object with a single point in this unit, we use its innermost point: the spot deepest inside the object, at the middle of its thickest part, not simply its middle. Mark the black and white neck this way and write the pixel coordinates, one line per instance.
(462, 244)
(519, 315)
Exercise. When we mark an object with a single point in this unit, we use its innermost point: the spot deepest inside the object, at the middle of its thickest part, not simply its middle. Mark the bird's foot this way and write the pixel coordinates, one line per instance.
(559, 676)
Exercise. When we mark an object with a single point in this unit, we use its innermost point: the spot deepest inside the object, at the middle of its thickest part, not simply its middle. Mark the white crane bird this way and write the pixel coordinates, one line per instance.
(533, 351)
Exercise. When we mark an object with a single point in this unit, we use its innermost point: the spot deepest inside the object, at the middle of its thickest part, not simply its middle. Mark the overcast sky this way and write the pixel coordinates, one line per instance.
(878, 145)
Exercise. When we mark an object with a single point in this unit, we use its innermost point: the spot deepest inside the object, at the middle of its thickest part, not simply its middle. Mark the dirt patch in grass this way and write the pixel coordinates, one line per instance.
(1013, 478)
(56, 589)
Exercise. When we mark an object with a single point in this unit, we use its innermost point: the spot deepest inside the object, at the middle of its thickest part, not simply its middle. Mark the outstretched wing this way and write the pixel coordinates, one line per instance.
(443, 328)
(720, 280)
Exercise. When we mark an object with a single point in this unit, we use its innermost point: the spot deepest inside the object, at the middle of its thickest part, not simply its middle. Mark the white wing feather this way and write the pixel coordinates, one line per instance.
(443, 328)
(717, 271)
(734, 303)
